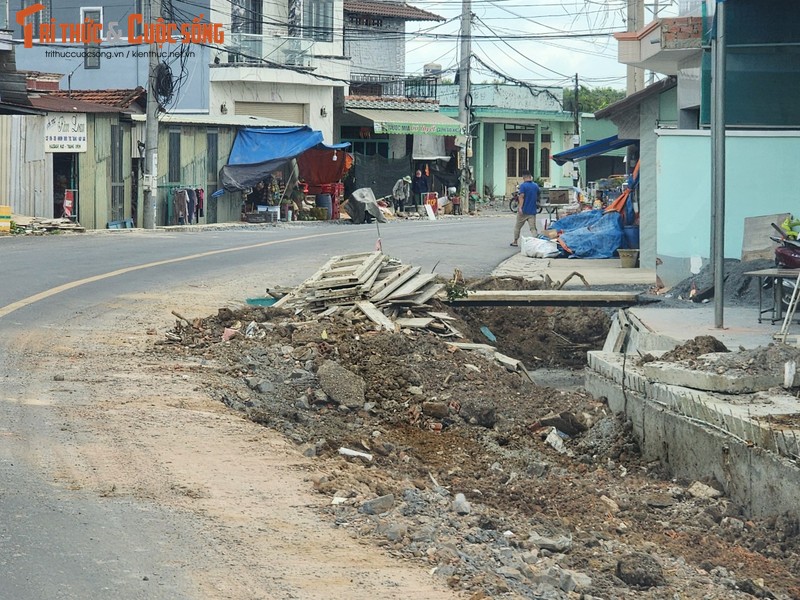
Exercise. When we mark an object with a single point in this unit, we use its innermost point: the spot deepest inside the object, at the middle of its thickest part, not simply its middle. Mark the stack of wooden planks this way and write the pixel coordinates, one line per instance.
(373, 284)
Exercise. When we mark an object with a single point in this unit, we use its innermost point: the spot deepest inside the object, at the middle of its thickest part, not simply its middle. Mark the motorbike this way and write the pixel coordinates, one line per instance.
(787, 256)
(513, 204)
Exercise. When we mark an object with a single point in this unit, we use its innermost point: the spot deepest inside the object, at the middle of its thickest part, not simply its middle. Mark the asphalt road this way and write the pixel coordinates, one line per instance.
(59, 543)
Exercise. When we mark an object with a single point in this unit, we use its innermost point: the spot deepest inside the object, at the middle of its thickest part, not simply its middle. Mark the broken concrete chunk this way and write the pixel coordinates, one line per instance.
(341, 385)
(461, 505)
(559, 544)
(703, 491)
(378, 505)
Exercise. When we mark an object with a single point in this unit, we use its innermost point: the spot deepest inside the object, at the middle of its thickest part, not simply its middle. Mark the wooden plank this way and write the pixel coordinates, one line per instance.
(471, 346)
(370, 281)
(414, 322)
(399, 281)
(441, 315)
(365, 269)
(412, 286)
(549, 297)
(390, 278)
(428, 293)
(375, 315)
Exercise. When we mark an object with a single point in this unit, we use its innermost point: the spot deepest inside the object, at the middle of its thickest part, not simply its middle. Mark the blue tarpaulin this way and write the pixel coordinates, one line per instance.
(257, 151)
(590, 234)
(592, 149)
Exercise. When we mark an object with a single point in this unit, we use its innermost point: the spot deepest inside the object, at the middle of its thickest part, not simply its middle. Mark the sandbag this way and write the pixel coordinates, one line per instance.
(535, 247)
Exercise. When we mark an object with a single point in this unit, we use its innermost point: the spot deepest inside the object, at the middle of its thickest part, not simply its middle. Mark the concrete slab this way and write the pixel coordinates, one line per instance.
(597, 272)
(741, 441)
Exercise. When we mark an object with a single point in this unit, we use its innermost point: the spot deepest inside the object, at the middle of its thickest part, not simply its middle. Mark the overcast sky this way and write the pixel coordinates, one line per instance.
(578, 31)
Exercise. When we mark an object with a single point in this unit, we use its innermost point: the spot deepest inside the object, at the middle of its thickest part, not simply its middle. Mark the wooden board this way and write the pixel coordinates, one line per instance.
(412, 286)
(391, 287)
(375, 315)
(427, 293)
(414, 322)
(548, 297)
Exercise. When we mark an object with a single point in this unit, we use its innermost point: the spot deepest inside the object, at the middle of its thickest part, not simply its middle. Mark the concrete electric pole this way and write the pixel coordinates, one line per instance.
(635, 23)
(151, 9)
(464, 97)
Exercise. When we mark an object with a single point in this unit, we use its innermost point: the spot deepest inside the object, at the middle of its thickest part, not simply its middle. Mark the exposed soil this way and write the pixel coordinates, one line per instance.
(503, 487)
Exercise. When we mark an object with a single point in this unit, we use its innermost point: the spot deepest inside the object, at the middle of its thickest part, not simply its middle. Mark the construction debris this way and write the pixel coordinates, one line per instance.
(41, 225)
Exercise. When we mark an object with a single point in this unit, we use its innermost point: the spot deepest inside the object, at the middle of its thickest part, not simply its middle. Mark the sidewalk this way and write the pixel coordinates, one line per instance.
(597, 272)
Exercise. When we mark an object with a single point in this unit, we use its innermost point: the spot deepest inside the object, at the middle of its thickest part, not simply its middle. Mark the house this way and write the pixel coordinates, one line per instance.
(254, 58)
(671, 119)
(515, 128)
(283, 61)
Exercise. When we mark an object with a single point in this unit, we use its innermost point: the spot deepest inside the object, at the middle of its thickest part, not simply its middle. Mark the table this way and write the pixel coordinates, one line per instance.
(777, 275)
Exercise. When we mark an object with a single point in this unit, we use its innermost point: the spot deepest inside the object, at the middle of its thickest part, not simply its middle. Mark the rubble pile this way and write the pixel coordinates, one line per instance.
(439, 451)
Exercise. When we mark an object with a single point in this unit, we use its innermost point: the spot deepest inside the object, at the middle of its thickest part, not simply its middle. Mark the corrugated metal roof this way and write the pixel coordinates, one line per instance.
(219, 120)
(400, 10)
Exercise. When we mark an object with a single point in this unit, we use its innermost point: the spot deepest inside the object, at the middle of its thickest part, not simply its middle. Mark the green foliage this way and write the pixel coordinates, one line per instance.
(456, 288)
(591, 100)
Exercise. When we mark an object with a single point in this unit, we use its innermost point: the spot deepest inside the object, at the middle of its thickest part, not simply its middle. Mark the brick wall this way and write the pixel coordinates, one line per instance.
(684, 32)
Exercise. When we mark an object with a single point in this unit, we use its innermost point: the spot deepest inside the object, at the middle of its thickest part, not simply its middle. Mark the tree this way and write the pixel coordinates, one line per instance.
(591, 100)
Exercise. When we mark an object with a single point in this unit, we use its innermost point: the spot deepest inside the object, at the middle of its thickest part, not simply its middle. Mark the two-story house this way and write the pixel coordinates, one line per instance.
(672, 117)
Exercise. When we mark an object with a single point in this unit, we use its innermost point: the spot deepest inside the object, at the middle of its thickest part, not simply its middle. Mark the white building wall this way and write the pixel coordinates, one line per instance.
(314, 98)
(380, 50)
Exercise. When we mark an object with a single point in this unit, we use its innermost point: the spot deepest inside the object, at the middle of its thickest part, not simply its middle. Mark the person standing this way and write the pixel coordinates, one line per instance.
(526, 213)
(401, 192)
(419, 187)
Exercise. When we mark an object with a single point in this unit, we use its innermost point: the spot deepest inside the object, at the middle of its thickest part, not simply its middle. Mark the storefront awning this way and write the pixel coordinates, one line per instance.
(258, 151)
(410, 122)
(592, 149)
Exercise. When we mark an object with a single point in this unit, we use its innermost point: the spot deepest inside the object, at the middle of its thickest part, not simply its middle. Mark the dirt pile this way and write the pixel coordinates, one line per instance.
(739, 289)
(503, 486)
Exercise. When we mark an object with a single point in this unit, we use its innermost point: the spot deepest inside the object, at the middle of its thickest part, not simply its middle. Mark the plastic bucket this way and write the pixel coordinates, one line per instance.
(630, 235)
(628, 258)
(5, 219)
(324, 201)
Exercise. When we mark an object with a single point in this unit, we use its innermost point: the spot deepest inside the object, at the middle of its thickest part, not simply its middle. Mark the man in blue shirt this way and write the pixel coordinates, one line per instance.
(529, 199)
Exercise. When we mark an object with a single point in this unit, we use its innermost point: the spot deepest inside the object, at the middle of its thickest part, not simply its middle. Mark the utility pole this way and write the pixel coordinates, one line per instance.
(463, 95)
(635, 23)
(151, 8)
(718, 68)
(576, 135)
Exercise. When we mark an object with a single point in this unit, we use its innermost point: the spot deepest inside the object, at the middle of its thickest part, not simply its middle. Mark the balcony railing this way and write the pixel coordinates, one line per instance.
(369, 84)
(257, 49)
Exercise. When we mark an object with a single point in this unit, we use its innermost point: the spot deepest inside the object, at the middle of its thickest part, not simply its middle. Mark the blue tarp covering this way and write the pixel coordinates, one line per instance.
(590, 234)
(257, 151)
(592, 149)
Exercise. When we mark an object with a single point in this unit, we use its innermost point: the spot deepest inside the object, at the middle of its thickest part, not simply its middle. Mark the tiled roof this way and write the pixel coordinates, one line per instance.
(399, 10)
(53, 103)
(116, 98)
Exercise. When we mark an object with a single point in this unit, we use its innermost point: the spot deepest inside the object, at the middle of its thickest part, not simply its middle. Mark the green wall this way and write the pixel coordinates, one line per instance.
(759, 181)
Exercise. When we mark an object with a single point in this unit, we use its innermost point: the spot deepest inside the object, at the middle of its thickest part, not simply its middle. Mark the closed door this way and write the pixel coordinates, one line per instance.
(517, 161)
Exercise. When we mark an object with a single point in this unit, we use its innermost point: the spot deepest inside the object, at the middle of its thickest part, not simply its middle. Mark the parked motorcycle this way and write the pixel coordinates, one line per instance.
(787, 256)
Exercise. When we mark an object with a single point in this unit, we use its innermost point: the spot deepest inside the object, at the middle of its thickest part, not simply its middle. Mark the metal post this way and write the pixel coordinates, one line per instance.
(576, 136)
(151, 8)
(463, 95)
(718, 163)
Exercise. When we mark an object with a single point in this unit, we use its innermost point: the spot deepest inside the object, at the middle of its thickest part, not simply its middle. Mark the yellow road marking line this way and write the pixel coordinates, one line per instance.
(8, 309)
